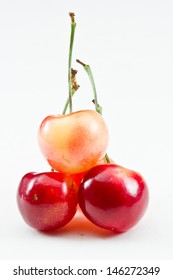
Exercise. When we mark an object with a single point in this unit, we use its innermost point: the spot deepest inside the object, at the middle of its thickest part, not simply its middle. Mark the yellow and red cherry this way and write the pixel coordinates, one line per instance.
(47, 201)
(75, 142)
(113, 197)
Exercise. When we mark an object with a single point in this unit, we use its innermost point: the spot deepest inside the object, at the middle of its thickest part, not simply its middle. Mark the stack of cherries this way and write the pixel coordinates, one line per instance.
(75, 144)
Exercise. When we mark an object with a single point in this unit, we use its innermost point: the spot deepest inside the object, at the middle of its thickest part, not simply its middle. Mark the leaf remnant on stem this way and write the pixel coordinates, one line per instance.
(74, 88)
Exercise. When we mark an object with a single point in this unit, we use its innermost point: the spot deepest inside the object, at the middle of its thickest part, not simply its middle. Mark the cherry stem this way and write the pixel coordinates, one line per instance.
(73, 26)
(98, 108)
(91, 78)
(67, 103)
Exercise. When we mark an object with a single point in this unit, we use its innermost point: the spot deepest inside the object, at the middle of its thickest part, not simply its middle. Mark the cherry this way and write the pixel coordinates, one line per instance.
(113, 197)
(73, 143)
(48, 200)
(110, 196)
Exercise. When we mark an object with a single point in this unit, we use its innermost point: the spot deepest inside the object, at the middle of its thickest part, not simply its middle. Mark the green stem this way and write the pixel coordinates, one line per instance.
(91, 78)
(107, 158)
(98, 108)
(67, 102)
(73, 26)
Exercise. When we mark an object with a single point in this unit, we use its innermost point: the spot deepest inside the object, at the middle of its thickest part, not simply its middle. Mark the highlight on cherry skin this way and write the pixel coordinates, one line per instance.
(113, 197)
(75, 142)
(47, 201)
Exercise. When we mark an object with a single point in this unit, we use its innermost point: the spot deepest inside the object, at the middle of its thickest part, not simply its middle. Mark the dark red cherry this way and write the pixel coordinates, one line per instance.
(113, 197)
(48, 200)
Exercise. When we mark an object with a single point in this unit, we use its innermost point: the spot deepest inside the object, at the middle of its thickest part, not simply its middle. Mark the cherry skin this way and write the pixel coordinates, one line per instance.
(113, 197)
(73, 143)
(48, 200)
(79, 176)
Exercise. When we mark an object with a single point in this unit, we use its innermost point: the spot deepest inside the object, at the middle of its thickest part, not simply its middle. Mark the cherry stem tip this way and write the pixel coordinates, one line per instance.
(72, 16)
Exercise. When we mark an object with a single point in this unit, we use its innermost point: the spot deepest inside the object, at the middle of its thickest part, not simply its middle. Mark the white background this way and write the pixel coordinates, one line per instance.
(129, 46)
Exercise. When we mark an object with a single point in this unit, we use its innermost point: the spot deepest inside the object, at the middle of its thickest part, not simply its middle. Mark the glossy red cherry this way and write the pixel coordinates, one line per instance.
(47, 201)
(113, 197)
(73, 143)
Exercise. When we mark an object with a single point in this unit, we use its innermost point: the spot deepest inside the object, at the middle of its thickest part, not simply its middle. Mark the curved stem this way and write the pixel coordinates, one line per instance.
(87, 68)
(98, 108)
(73, 26)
